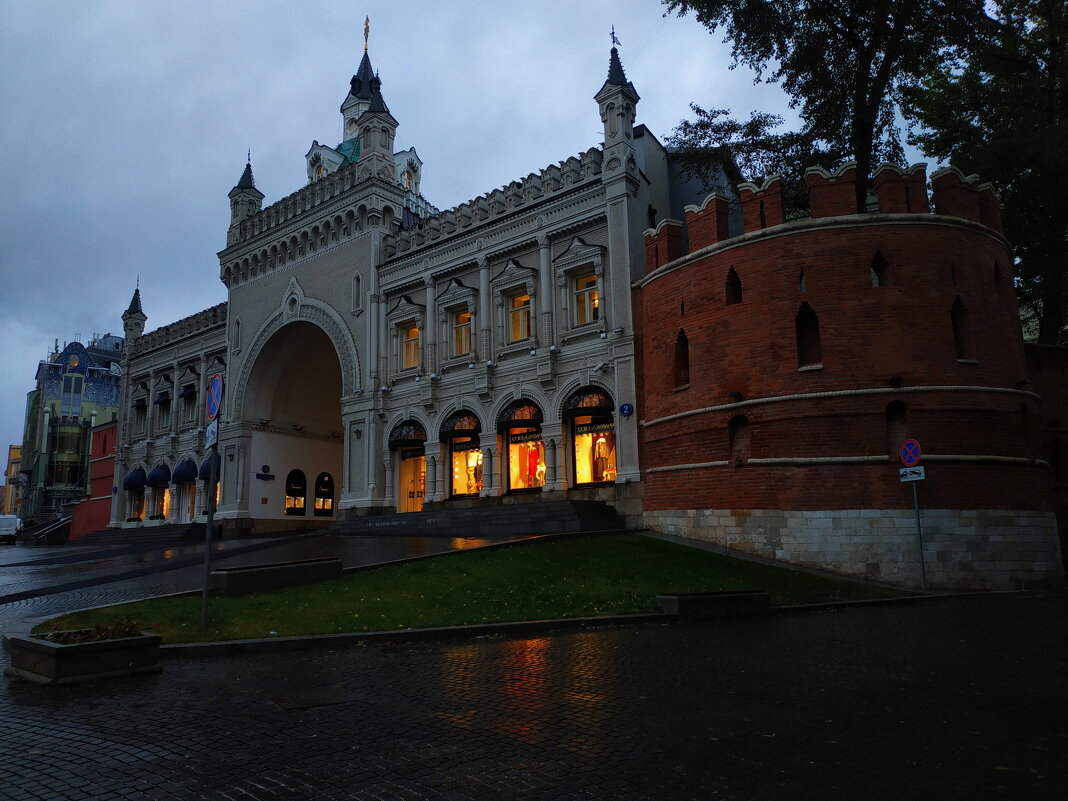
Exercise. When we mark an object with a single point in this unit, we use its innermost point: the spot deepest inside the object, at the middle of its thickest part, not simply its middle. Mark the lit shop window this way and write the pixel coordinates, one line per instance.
(520, 425)
(324, 495)
(461, 430)
(593, 436)
(296, 492)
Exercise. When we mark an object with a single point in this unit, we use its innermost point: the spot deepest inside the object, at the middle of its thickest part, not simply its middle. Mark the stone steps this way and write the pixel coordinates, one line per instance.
(169, 534)
(550, 517)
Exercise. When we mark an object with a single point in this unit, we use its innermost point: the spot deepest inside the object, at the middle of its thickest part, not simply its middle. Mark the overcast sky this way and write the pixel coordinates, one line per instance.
(123, 125)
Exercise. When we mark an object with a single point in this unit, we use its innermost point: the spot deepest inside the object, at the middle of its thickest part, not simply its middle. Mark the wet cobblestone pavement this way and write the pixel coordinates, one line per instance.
(958, 699)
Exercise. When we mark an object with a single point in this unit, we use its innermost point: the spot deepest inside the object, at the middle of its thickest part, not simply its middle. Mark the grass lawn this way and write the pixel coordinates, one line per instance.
(550, 578)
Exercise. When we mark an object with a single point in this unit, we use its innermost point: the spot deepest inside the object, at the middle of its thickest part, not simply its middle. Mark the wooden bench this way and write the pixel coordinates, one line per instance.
(257, 578)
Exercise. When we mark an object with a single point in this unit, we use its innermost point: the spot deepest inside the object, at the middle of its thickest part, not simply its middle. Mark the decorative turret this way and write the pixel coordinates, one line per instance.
(617, 100)
(377, 129)
(134, 318)
(245, 201)
(361, 89)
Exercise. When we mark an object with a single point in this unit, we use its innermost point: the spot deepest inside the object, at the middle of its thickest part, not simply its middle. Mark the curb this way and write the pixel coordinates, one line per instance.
(301, 642)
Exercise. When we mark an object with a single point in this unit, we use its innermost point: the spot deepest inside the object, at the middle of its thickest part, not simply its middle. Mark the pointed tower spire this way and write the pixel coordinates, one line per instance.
(245, 201)
(134, 318)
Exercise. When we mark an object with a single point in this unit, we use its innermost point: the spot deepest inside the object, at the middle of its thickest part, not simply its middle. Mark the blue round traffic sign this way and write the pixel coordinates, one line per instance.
(215, 390)
(910, 453)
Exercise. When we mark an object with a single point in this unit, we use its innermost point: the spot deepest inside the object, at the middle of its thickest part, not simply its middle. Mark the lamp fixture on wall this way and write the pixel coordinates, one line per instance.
(533, 351)
(358, 432)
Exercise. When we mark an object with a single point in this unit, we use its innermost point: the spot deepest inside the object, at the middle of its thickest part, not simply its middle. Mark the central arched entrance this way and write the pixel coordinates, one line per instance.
(292, 414)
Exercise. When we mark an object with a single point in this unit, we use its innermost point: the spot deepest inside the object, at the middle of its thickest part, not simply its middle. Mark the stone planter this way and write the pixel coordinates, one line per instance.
(48, 662)
(726, 604)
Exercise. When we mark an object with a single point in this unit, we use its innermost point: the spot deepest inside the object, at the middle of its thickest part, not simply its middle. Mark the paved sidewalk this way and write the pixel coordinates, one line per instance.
(961, 699)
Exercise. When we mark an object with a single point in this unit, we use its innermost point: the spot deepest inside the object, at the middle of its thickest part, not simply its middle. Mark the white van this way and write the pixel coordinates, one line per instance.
(9, 527)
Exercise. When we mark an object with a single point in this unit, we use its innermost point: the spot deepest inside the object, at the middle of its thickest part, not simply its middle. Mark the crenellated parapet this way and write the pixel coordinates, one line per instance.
(194, 324)
(957, 195)
(552, 180)
(897, 190)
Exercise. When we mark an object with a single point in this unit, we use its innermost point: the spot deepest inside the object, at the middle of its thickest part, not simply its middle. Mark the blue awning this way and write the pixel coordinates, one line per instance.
(160, 476)
(185, 473)
(135, 480)
(205, 468)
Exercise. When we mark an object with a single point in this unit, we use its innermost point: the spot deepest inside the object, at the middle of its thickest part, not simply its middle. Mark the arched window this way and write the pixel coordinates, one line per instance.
(963, 336)
(807, 329)
(408, 441)
(878, 270)
(461, 430)
(593, 435)
(738, 432)
(897, 426)
(520, 427)
(324, 495)
(296, 492)
(682, 360)
(237, 335)
(801, 285)
(357, 294)
(734, 287)
(999, 283)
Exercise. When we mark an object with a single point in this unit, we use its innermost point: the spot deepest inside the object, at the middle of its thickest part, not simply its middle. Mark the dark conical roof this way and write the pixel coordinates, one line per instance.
(135, 303)
(361, 82)
(615, 70)
(378, 103)
(246, 181)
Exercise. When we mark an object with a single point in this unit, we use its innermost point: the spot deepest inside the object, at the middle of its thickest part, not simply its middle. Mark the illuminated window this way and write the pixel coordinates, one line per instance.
(587, 301)
(296, 492)
(461, 430)
(411, 347)
(520, 318)
(520, 424)
(593, 436)
(324, 495)
(461, 333)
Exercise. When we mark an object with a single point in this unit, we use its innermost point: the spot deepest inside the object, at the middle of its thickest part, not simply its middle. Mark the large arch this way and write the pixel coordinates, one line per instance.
(290, 412)
(297, 308)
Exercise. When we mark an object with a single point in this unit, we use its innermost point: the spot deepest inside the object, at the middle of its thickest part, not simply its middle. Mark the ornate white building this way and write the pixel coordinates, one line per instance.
(381, 355)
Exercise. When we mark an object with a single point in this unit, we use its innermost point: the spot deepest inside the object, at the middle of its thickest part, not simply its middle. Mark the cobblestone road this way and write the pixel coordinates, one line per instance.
(962, 699)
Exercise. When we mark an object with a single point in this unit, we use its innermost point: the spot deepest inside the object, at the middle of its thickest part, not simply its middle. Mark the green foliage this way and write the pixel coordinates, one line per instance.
(999, 107)
(845, 63)
(117, 629)
(549, 578)
(749, 150)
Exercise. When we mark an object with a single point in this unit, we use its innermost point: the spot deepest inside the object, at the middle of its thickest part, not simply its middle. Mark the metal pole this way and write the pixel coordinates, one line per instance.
(919, 534)
(213, 477)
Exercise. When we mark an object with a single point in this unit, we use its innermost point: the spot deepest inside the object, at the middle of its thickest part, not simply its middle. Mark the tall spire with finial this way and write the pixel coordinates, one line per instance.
(366, 31)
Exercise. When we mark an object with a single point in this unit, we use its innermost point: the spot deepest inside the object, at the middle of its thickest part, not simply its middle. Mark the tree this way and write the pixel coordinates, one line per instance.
(844, 62)
(999, 108)
(748, 150)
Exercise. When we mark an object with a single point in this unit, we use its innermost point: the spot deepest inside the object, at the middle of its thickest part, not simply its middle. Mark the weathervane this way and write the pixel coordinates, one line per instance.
(615, 41)
(366, 31)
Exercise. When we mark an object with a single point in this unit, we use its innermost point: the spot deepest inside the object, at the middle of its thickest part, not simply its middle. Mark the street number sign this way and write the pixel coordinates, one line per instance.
(910, 453)
(211, 436)
(215, 390)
